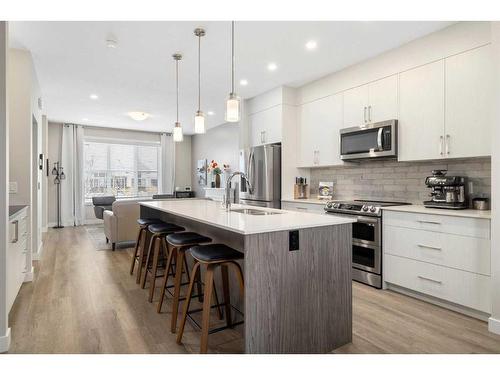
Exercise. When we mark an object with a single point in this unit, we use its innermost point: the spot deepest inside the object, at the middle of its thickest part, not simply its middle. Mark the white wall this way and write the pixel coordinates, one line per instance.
(24, 93)
(45, 179)
(4, 179)
(221, 144)
(494, 323)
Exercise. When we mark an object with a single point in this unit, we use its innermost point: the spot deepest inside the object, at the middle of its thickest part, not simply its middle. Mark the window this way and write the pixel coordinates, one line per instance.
(122, 170)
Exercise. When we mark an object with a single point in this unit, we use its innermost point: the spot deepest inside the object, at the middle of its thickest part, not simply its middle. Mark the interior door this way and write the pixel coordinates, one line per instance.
(355, 102)
(421, 113)
(468, 103)
(383, 99)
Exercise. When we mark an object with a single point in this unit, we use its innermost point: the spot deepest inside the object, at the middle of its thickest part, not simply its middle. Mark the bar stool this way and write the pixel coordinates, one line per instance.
(213, 256)
(140, 245)
(158, 234)
(178, 244)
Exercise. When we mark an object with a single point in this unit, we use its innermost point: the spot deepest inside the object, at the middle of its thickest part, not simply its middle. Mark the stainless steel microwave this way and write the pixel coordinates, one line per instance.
(376, 140)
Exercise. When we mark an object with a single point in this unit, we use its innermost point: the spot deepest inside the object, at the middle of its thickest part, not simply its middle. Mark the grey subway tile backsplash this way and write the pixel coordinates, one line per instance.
(404, 181)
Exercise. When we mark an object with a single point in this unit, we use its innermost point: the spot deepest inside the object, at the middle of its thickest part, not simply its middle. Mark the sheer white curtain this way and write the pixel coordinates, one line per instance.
(167, 164)
(71, 158)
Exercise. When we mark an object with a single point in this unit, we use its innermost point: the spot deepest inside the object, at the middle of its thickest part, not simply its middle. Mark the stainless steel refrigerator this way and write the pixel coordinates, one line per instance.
(262, 165)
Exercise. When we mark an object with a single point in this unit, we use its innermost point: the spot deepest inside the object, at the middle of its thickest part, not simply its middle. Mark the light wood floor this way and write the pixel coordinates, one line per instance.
(85, 301)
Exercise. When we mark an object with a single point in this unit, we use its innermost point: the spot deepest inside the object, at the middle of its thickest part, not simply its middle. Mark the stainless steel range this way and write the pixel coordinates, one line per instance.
(366, 237)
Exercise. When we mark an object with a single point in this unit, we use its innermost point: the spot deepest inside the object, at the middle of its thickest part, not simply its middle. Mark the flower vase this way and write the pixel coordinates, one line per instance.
(217, 181)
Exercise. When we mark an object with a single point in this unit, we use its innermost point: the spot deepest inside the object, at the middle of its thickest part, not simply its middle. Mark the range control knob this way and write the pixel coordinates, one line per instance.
(373, 209)
(365, 208)
(329, 205)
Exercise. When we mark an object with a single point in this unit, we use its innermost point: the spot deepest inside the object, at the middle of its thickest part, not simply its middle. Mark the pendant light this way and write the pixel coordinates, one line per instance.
(177, 133)
(199, 118)
(233, 101)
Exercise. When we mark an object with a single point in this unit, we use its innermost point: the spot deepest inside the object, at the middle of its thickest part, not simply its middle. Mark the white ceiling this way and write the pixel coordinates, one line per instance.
(72, 62)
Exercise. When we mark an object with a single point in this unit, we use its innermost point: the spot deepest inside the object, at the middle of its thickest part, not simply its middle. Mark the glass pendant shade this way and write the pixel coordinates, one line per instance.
(199, 123)
(54, 171)
(233, 108)
(178, 137)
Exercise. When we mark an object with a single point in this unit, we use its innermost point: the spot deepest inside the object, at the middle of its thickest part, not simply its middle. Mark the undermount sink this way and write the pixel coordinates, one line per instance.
(251, 211)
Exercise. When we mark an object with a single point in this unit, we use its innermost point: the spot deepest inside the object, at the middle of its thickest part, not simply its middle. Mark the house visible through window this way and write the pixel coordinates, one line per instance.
(122, 170)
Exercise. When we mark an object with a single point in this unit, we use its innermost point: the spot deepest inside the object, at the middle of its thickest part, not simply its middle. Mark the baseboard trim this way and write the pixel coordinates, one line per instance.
(28, 276)
(481, 315)
(494, 325)
(38, 254)
(5, 342)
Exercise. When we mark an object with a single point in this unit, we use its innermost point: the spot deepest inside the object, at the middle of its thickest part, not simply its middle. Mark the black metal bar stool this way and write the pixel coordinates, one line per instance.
(160, 252)
(213, 256)
(178, 244)
(140, 246)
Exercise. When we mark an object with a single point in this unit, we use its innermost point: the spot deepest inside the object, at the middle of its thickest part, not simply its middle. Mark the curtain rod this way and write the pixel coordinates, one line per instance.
(107, 128)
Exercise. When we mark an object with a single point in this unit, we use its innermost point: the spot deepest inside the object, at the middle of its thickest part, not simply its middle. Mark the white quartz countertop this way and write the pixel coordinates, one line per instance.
(420, 209)
(212, 213)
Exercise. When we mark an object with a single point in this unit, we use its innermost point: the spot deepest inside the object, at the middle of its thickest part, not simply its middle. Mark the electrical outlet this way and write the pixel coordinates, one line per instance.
(293, 240)
(12, 187)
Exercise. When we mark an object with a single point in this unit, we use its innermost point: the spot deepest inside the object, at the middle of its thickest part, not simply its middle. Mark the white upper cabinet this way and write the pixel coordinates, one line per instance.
(444, 108)
(373, 102)
(265, 126)
(356, 106)
(468, 103)
(421, 112)
(383, 99)
(318, 138)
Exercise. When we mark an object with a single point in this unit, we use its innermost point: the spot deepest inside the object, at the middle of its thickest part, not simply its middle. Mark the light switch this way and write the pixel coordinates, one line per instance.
(12, 187)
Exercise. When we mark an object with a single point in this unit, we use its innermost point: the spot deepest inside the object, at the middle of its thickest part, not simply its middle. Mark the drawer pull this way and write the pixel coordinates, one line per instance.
(429, 279)
(429, 247)
(429, 222)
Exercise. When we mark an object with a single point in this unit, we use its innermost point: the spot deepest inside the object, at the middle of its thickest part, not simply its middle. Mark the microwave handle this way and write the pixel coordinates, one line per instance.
(379, 139)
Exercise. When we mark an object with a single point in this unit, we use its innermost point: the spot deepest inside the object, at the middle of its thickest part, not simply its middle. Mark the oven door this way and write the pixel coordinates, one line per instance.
(366, 257)
(369, 141)
(366, 242)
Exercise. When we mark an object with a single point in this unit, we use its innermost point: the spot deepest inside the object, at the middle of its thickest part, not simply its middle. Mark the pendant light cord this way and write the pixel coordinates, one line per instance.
(232, 57)
(199, 72)
(177, 86)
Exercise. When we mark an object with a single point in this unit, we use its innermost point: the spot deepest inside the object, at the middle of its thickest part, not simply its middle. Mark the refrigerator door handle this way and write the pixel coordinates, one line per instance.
(251, 161)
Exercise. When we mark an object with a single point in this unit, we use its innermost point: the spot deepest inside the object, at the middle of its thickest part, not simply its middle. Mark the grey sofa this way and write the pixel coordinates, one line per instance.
(101, 204)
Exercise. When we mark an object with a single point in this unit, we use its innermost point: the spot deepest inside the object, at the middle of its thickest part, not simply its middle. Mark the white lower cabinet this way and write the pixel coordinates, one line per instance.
(16, 254)
(463, 288)
(441, 256)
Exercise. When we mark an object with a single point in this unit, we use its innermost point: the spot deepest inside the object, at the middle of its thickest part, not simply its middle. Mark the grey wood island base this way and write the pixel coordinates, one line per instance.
(296, 301)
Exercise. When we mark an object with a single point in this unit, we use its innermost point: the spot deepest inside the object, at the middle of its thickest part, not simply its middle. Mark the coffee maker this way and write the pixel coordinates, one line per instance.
(446, 191)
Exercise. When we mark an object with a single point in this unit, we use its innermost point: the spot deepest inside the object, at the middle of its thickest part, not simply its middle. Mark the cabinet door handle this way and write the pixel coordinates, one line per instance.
(301, 208)
(316, 157)
(16, 225)
(364, 114)
(429, 247)
(429, 279)
(369, 113)
(429, 222)
(447, 145)
(441, 139)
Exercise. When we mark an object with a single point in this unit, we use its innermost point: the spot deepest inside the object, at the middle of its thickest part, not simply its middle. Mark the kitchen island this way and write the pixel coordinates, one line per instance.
(297, 270)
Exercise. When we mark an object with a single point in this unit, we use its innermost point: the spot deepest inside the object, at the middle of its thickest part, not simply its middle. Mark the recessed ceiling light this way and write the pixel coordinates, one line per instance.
(243, 82)
(272, 66)
(94, 96)
(138, 116)
(211, 113)
(312, 44)
(111, 41)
